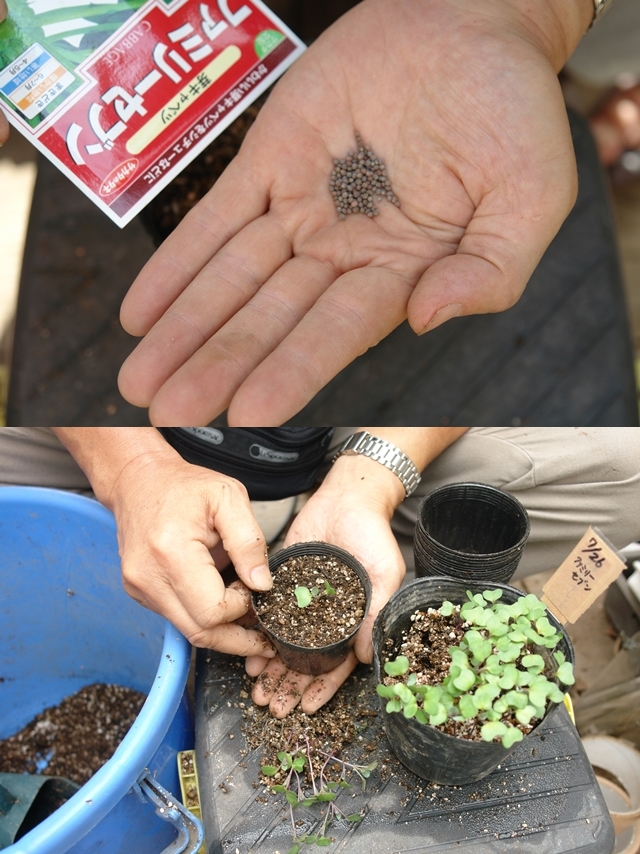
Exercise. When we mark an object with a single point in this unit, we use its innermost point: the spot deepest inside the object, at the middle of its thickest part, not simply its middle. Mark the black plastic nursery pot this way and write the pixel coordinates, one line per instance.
(309, 659)
(425, 750)
(470, 530)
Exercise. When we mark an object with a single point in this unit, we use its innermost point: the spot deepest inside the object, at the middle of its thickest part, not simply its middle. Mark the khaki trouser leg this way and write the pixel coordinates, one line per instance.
(34, 456)
(567, 478)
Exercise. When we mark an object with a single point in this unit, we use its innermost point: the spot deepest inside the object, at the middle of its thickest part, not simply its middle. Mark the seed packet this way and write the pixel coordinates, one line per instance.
(123, 94)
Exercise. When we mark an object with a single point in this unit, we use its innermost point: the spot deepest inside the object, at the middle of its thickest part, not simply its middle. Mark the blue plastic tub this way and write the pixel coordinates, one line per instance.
(66, 622)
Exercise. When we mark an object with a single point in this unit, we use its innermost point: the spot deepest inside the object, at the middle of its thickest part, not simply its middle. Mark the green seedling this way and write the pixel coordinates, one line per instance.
(305, 595)
(324, 791)
(502, 668)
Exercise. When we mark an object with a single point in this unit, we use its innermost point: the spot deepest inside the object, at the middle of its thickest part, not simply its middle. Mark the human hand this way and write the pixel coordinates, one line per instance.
(4, 124)
(341, 513)
(262, 295)
(176, 525)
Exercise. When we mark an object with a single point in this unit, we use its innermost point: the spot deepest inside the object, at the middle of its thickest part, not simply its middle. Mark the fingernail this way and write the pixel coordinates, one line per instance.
(261, 578)
(441, 316)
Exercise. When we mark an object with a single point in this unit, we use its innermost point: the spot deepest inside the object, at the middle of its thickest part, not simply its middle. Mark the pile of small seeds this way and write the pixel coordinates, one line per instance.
(357, 180)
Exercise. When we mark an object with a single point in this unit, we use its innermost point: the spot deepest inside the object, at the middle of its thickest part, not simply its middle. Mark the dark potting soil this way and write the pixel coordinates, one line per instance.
(75, 738)
(426, 645)
(329, 617)
(187, 766)
(333, 731)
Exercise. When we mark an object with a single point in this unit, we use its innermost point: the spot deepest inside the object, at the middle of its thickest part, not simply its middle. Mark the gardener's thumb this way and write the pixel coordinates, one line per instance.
(251, 564)
(460, 285)
(495, 259)
(241, 536)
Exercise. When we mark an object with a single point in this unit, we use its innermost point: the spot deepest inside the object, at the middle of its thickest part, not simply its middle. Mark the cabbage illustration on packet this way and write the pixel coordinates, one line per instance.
(123, 94)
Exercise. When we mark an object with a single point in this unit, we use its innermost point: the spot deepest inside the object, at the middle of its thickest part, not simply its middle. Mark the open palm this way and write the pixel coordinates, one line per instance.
(262, 295)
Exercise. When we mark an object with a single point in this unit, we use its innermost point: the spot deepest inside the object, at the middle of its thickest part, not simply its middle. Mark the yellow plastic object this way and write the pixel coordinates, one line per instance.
(569, 706)
(189, 788)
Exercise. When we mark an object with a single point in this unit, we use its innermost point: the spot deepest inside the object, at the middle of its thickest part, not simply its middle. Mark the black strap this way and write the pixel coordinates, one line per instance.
(271, 462)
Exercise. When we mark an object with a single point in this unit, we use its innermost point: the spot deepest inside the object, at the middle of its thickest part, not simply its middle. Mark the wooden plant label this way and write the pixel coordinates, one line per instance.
(586, 573)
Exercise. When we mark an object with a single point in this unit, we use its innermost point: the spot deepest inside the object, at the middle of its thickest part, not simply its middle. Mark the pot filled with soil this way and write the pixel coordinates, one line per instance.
(465, 671)
(320, 596)
(470, 530)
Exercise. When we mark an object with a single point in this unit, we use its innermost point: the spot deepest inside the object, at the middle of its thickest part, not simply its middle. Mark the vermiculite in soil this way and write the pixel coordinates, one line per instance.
(359, 179)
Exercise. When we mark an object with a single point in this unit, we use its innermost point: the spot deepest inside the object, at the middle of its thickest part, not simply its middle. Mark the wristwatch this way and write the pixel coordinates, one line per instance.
(601, 7)
(385, 453)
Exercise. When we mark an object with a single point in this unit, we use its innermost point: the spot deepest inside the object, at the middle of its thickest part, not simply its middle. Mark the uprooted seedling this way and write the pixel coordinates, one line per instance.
(297, 764)
(503, 672)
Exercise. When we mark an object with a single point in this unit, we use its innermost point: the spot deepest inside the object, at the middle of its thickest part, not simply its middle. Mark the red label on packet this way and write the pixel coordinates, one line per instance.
(127, 119)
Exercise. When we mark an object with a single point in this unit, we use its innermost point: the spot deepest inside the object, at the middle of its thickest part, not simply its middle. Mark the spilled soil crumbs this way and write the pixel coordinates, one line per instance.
(75, 738)
(187, 768)
(335, 730)
(334, 612)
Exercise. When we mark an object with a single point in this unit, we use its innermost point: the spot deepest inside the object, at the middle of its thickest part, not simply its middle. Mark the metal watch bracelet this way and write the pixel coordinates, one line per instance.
(600, 7)
(386, 454)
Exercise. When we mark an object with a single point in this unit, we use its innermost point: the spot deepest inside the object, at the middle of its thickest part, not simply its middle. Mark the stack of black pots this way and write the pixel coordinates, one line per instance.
(469, 537)
(470, 531)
